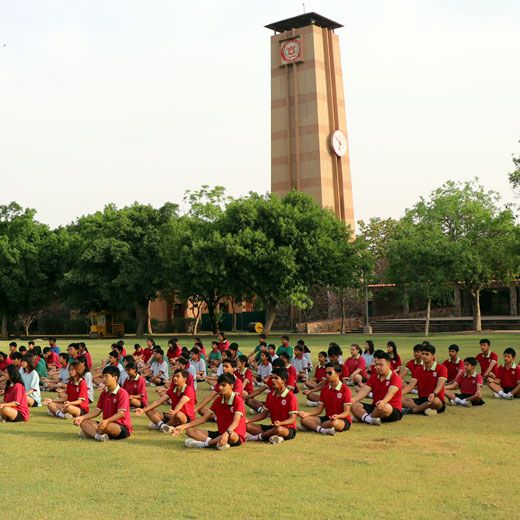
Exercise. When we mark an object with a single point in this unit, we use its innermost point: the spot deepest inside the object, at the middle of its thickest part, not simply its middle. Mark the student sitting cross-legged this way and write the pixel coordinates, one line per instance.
(505, 382)
(229, 410)
(76, 401)
(114, 404)
(281, 406)
(335, 399)
(135, 385)
(469, 384)
(182, 398)
(15, 407)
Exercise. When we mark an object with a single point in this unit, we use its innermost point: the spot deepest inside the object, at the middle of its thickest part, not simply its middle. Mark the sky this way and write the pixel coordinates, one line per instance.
(125, 100)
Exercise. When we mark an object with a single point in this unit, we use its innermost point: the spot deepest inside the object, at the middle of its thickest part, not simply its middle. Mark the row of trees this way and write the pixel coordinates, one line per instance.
(259, 247)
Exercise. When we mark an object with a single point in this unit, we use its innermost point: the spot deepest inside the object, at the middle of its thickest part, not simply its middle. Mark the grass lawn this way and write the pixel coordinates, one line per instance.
(463, 464)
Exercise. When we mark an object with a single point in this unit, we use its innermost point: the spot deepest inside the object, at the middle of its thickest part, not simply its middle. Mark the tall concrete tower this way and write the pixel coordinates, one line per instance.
(309, 148)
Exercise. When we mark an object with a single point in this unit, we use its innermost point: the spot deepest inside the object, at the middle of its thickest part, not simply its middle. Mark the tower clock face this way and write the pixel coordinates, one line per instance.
(338, 142)
(291, 51)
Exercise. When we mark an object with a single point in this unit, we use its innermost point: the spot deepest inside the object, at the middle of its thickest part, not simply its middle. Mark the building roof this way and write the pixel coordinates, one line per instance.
(302, 20)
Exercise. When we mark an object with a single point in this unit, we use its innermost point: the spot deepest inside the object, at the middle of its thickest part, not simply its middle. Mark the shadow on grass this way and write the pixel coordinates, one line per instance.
(52, 436)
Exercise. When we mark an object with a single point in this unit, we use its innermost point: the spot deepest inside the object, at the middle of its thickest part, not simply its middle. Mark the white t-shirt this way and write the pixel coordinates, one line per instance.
(193, 372)
(64, 375)
(264, 370)
(90, 387)
(300, 364)
(200, 365)
(31, 381)
(157, 368)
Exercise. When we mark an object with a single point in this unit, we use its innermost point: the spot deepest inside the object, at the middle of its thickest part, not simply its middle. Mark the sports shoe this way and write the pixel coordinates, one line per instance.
(166, 428)
(467, 404)
(223, 447)
(453, 402)
(376, 421)
(430, 412)
(509, 396)
(153, 426)
(497, 396)
(103, 438)
(276, 439)
(192, 443)
(312, 404)
(68, 416)
(330, 431)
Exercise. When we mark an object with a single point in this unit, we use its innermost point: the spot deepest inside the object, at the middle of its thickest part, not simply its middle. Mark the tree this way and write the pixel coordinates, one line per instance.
(480, 234)
(114, 259)
(514, 176)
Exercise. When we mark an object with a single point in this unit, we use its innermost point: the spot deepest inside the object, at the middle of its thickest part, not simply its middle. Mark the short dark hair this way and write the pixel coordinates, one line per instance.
(322, 353)
(226, 378)
(263, 336)
(454, 347)
(63, 355)
(285, 337)
(233, 346)
(195, 351)
(31, 342)
(137, 346)
(381, 354)
(281, 372)
(46, 350)
(417, 347)
(428, 347)
(182, 371)
(183, 361)
(511, 351)
(121, 342)
(112, 370)
(231, 362)
(485, 340)
(159, 350)
(471, 360)
(13, 344)
(243, 359)
(334, 350)
(278, 363)
(284, 355)
(335, 366)
(114, 354)
(52, 338)
(16, 355)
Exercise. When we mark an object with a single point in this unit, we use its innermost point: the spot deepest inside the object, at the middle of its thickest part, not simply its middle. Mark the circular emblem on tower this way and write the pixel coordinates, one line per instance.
(338, 143)
(291, 51)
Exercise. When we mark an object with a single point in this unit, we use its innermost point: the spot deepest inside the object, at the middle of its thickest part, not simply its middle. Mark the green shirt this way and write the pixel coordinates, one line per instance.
(214, 356)
(281, 349)
(41, 368)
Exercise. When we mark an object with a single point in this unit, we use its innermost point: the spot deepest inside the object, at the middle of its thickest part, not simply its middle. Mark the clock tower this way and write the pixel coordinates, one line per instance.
(309, 148)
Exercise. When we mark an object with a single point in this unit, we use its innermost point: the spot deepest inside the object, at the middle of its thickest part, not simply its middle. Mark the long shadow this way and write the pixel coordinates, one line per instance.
(53, 436)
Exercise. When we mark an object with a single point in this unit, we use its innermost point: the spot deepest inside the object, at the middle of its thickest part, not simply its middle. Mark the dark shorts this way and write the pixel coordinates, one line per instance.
(421, 400)
(396, 414)
(123, 434)
(474, 403)
(34, 405)
(508, 389)
(346, 424)
(214, 435)
(82, 411)
(292, 431)
(18, 418)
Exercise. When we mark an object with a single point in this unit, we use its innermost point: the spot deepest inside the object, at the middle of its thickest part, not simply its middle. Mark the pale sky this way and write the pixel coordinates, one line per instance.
(124, 100)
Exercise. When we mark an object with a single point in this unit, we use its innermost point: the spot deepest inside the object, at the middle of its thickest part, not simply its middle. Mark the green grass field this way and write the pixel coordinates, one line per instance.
(463, 464)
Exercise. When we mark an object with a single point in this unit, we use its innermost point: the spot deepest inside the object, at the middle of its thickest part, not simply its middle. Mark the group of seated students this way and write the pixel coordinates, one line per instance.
(383, 389)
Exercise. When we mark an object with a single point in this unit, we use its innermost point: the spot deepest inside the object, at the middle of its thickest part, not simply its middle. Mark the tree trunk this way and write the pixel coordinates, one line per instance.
(212, 316)
(343, 314)
(234, 322)
(5, 329)
(27, 330)
(475, 307)
(142, 317)
(428, 312)
(148, 320)
(196, 325)
(406, 304)
(270, 314)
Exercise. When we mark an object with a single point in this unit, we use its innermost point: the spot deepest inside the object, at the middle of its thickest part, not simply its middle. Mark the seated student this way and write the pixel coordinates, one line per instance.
(356, 366)
(138, 353)
(120, 347)
(215, 355)
(83, 351)
(335, 399)
(306, 353)
(430, 386)
(488, 360)
(52, 359)
(245, 375)
(135, 385)
(212, 380)
(229, 411)
(505, 383)
(15, 407)
(113, 360)
(22, 350)
(39, 363)
(454, 364)
(281, 406)
(114, 404)
(86, 374)
(31, 381)
(254, 357)
(174, 350)
(228, 367)
(5, 361)
(300, 364)
(414, 364)
(53, 346)
(265, 386)
(334, 355)
(198, 364)
(73, 351)
(223, 343)
(368, 355)
(285, 348)
(319, 372)
(75, 403)
(234, 350)
(395, 358)
(148, 350)
(182, 398)
(292, 376)
(200, 345)
(386, 388)
(470, 385)
(158, 368)
(264, 367)
(13, 349)
(271, 350)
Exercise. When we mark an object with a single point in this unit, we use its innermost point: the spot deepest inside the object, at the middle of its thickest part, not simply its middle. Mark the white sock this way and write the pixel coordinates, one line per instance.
(97, 436)
(260, 410)
(367, 418)
(458, 400)
(160, 423)
(325, 431)
(206, 442)
(501, 393)
(59, 413)
(318, 428)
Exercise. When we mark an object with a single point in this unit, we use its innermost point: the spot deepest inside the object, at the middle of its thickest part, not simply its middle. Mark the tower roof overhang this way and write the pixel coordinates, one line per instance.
(303, 20)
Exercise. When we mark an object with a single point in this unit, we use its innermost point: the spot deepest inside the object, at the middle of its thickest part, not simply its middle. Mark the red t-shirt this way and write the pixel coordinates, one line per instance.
(52, 359)
(454, 368)
(147, 354)
(320, 374)
(485, 361)
(16, 393)
(88, 359)
(111, 403)
(345, 372)
(468, 384)
(4, 364)
(189, 408)
(413, 366)
(355, 363)
(173, 353)
(509, 377)
(225, 412)
(77, 391)
(335, 398)
(380, 388)
(223, 345)
(282, 407)
(395, 363)
(137, 387)
(246, 375)
(427, 380)
(292, 379)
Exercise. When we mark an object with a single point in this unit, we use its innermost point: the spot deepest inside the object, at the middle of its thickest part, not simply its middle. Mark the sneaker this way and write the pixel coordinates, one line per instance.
(68, 416)
(153, 426)
(276, 439)
(453, 402)
(103, 438)
(509, 396)
(331, 431)
(166, 428)
(497, 396)
(467, 404)
(376, 421)
(430, 412)
(192, 443)
(223, 447)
